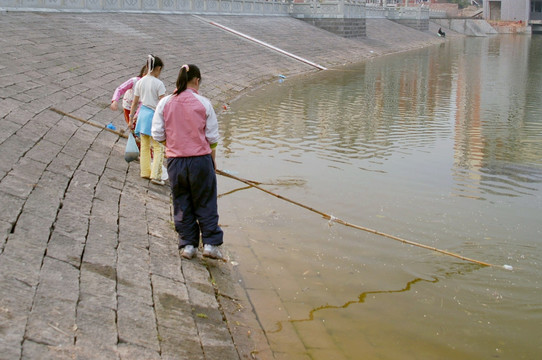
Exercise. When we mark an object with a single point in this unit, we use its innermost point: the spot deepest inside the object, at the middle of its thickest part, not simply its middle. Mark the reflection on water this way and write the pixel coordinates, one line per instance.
(409, 104)
(441, 146)
(492, 126)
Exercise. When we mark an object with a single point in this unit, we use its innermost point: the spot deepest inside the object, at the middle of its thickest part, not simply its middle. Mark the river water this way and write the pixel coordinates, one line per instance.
(441, 146)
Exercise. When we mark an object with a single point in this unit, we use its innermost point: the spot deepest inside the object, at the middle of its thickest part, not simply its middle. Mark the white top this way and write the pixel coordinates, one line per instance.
(149, 89)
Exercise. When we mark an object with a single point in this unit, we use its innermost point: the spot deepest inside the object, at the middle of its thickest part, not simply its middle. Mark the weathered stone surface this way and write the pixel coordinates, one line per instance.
(46, 198)
(71, 224)
(96, 325)
(9, 128)
(80, 193)
(15, 309)
(133, 272)
(51, 322)
(12, 149)
(172, 304)
(62, 132)
(137, 324)
(131, 351)
(52, 319)
(11, 207)
(195, 273)
(64, 164)
(101, 247)
(104, 212)
(116, 158)
(94, 162)
(44, 151)
(5, 229)
(21, 259)
(58, 281)
(98, 284)
(178, 345)
(33, 228)
(164, 258)
(113, 178)
(106, 140)
(28, 169)
(16, 186)
(33, 350)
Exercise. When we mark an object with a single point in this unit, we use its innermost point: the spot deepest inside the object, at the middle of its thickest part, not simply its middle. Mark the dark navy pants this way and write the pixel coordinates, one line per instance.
(194, 193)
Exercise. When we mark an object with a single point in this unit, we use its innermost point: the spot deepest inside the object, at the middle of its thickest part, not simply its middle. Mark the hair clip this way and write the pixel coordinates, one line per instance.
(185, 67)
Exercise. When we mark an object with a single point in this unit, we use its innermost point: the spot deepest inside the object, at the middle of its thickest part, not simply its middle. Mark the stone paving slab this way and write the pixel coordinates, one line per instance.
(89, 265)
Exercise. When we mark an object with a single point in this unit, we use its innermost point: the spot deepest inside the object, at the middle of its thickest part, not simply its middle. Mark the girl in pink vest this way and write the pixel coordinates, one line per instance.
(187, 123)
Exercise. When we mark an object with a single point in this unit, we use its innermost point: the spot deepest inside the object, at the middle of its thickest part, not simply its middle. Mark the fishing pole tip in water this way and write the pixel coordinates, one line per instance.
(508, 267)
(229, 172)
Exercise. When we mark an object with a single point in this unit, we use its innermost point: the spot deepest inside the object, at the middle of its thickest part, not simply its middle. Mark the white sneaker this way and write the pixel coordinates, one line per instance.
(188, 252)
(212, 251)
(158, 182)
(164, 173)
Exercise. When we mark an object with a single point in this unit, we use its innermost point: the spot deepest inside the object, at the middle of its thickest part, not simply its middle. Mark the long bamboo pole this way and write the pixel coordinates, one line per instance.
(119, 133)
(326, 216)
(345, 223)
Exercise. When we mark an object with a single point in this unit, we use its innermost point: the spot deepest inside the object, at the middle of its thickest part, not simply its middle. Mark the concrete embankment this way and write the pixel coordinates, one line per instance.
(469, 27)
(88, 257)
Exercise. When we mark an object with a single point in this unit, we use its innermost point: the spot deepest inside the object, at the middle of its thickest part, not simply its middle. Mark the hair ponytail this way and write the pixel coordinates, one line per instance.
(143, 71)
(186, 74)
(153, 62)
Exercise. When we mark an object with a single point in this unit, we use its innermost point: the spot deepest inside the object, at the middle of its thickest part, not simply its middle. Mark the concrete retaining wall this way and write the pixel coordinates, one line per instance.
(418, 24)
(513, 29)
(469, 27)
(415, 17)
(347, 28)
